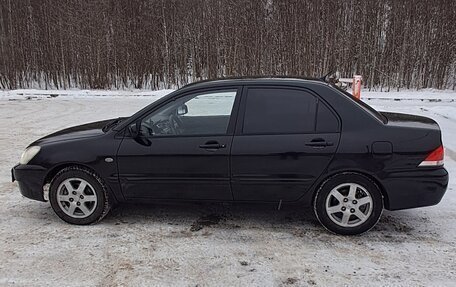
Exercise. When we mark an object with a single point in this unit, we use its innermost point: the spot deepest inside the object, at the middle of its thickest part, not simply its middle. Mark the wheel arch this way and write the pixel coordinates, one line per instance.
(372, 178)
(56, 169)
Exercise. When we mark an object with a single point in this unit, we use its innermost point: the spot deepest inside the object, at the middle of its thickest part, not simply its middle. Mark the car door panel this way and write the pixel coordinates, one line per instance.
(278, 167)
(175, 168)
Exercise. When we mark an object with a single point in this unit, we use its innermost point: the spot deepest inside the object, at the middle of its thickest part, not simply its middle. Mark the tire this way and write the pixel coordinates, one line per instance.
(79, 196)
(348, 204)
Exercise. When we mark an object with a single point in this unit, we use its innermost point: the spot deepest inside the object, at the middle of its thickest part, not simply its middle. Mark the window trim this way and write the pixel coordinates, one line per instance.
(243, 107)
(231, 123)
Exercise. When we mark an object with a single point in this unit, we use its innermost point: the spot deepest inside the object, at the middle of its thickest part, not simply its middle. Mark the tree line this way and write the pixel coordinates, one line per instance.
(167, 43)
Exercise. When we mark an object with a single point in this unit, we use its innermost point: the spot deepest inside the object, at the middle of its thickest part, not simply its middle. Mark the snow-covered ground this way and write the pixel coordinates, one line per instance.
(212, 245)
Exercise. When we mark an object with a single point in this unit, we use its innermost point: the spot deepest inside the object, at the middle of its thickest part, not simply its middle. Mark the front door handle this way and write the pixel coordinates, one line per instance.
(319, 142)
(212, 145)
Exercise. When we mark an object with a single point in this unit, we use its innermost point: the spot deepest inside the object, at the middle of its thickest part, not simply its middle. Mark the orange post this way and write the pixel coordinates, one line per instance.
(357, 79)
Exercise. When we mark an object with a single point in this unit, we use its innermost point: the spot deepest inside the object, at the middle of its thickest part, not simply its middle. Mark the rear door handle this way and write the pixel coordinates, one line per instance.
(319, 142)
(212, 145)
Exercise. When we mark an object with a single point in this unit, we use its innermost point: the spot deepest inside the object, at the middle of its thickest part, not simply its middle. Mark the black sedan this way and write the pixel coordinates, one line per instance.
(278, 140)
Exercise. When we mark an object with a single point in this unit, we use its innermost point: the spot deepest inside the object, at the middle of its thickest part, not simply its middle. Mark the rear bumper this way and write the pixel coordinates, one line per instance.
(417, 188)
(30, 179)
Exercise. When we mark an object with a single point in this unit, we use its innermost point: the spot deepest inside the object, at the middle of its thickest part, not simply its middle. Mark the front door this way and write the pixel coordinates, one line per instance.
(284, 140)
(183, 151)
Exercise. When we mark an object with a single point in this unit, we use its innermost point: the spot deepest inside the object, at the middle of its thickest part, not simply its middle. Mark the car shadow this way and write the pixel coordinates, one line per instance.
(199, 218)
(195, 219)
(214, 214)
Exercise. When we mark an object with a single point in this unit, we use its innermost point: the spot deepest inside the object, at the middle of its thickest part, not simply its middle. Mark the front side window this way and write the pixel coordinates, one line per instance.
(279, 111)
(197, 114)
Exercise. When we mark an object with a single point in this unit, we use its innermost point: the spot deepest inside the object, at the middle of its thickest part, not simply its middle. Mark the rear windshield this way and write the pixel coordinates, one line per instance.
(363, 105)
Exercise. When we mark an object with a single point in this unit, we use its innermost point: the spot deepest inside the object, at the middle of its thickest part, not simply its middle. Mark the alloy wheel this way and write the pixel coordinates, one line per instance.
(76, 197)
(349, 205)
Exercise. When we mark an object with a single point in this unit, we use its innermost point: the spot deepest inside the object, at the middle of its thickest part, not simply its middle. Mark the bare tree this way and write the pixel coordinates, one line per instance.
(157, 43)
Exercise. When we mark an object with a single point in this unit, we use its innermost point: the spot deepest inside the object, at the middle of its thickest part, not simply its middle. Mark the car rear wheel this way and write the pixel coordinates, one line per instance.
(348, 204)
(79, 196)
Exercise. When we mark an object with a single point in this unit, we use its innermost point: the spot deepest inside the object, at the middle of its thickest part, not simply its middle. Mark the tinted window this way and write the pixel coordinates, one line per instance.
(362, 104)
(326, 120)
(198, 114)
(279, 111)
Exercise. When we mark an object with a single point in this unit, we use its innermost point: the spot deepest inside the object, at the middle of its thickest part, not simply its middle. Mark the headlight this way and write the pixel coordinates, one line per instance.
(28, 154)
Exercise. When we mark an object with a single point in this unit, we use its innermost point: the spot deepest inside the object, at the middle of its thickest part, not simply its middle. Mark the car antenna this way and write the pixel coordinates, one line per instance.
(325, 78)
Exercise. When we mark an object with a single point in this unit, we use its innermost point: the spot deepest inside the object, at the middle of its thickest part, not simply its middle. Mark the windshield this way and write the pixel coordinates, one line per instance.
(363, 105)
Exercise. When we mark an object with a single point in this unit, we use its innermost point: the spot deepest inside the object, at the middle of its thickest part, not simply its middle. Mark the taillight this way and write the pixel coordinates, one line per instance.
(435, 158)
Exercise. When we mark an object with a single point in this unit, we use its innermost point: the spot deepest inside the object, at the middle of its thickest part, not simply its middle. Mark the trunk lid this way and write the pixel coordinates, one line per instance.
(413, 139)
(411, 121)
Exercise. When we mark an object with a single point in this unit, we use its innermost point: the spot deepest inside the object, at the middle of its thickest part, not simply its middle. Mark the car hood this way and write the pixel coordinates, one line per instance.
(77, 132)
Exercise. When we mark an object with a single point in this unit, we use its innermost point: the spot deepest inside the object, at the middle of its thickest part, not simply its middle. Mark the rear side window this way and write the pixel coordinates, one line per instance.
(363, 105)
(279, 111)
(326, 120)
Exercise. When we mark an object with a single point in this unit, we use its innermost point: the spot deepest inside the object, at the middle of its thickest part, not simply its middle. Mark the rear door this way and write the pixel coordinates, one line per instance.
(285, 138)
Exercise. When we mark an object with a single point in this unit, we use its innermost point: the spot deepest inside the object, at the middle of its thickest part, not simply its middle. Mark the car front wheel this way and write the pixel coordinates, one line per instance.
(348, 204)
(78, 196)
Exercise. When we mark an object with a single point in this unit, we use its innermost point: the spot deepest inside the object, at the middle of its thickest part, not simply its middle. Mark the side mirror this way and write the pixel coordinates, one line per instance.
(134, 129)
(182, 110)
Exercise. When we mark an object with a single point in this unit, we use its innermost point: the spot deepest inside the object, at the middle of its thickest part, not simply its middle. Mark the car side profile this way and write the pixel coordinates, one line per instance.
(279, 140)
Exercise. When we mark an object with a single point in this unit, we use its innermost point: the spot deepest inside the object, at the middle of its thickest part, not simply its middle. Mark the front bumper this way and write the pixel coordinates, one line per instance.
(30, 179)
(417, 188)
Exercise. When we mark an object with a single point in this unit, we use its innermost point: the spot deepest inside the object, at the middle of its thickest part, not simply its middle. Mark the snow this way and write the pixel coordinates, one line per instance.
(83, 93)
(412, 95)
(211, 244)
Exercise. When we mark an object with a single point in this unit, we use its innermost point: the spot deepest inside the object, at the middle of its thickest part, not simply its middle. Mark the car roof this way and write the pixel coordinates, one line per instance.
(280, 80)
